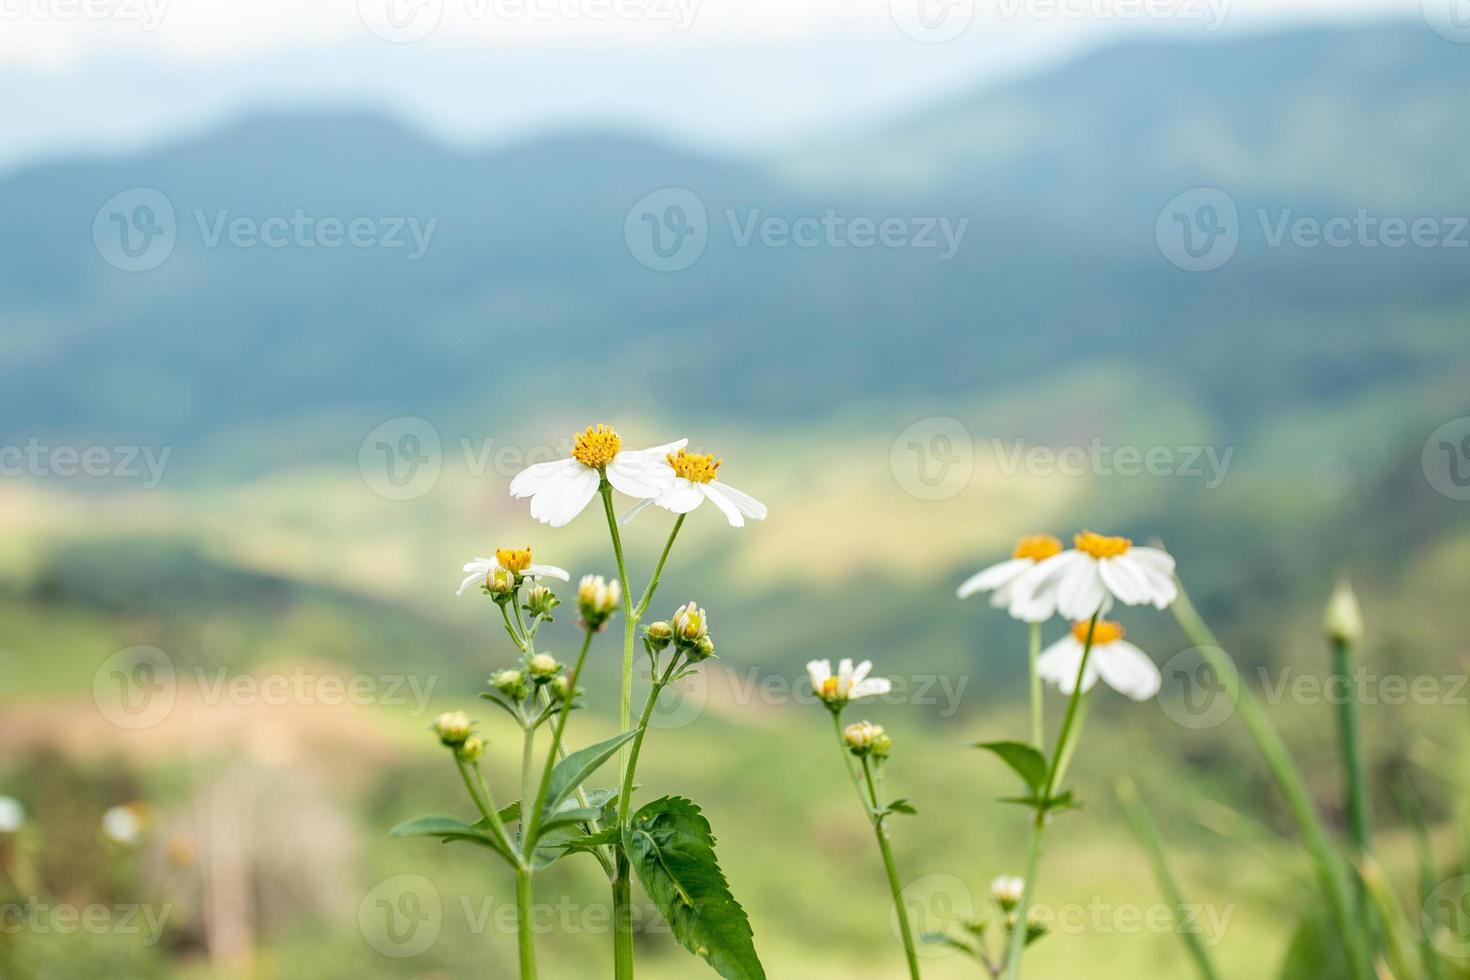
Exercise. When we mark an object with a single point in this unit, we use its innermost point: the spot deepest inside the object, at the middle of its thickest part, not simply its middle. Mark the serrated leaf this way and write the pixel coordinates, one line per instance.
(673, 850)
(448, 829)
(573, 771)
(1027, 763)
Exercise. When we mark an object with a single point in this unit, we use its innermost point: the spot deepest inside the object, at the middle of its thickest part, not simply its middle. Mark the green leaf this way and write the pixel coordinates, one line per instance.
(902, 806)
(940, 939)
(573, 771)
(1028, 763)
(591, 842)
(673, 850)
(1314, 952)
(449, 829)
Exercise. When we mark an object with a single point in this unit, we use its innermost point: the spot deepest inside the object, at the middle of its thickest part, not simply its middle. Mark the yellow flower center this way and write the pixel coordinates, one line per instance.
(597, 446)
(1106, 631)
(1102, 546)
(514, 559)
(829, 687)
(694, 467)
(1037, 546)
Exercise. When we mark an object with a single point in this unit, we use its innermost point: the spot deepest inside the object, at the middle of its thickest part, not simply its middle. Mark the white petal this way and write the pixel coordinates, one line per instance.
(1127, 670)
(744, 502)
(469, 581)
(641, 481)
(568, 501)
(818, 671)
(718, 498)
(533, 479)
(1060, 662)
(1080, 590)
(871, 688)
(1154, 558)
(549, 571)
(861, 672)
(481, 565)
(844, 673)
(682, 497)
(995, 577)
(1124, 579)
(1040, 581)
(641, 457)
(1157, 570)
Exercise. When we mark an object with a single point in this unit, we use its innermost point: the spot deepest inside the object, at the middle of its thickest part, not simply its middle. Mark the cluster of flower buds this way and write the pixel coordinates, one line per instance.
(453, 728)
(597, 600)
(863, 738)
(690, 629)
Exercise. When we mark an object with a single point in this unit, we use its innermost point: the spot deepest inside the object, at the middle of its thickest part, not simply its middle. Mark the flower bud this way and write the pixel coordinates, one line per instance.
(472, 749)
(511, 683)
(598, 599)
(1344, 619)
(500, 582)
(860, 737)
(1007, 891)
(659, 635)
(882, 745)
(543, 667)
(540, 601)
(561, 687)
(702, 650)
(452, 727)
(690, 625)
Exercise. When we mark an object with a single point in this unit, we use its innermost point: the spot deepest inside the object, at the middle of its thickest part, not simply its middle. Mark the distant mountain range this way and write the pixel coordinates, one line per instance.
(305, 274)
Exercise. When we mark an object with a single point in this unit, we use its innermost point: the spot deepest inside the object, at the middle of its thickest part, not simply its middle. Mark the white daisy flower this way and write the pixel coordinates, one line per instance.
(694, 483)
(12, 815)
(123, 824)
(848, 684)
(562, 489)
(1007, 891)
(1127, 669)
(1000, 579)
(514, 560)
(1085, 581)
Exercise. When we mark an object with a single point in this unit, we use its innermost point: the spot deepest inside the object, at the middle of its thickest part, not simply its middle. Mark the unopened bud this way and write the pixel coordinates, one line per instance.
(452, 727)
(659, 634)
(472, 749)
(1007, 891)
(540, 601)
(500, 582)
(691, 625)
(702, 650)
(861, 736)
(1344, 619)
(511, 683)
(543, 667)
(561, 687)
(598, 599)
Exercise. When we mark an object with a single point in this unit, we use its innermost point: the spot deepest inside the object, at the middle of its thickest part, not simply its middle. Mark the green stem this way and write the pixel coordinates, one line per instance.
(625, 795)
(1017, 944)
(880, 829)
(1038, 716)
(630, 624)
(622, 889)
(525, 937)
(528, 760)
(1331, 873)
(533, 823)
(658, 571)
(857, 781)
(1350, 733)
(1147, 832)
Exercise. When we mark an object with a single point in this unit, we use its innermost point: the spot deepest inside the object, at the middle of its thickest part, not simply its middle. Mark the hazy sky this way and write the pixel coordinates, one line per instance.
(106, 75)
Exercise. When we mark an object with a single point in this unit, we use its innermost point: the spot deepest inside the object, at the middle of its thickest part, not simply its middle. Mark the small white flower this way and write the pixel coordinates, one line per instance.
(848, 684)
(122, 824)
(694, 483)
(1000, 580)
(1007, 890)
(1127, 669)
(517, 560)
(562, 489)
(12, 815)
(1085, 580)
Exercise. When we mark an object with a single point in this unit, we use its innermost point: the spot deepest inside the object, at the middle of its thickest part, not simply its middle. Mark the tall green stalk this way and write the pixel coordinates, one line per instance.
(1350, 734)
(1017, 944)
(895, 887)
(1038, 709)
(525, 937)
(1331, 872)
